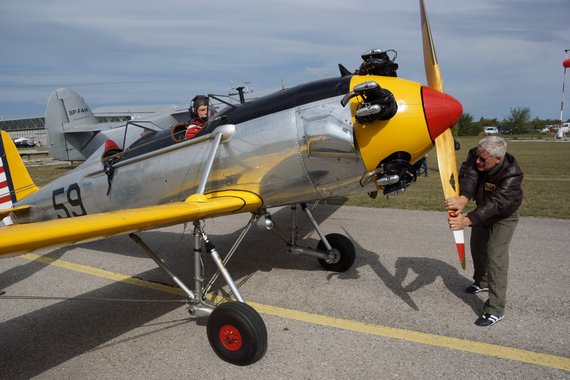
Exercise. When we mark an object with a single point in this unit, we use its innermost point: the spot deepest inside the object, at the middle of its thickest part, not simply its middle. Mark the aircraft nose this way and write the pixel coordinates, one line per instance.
(441, 111)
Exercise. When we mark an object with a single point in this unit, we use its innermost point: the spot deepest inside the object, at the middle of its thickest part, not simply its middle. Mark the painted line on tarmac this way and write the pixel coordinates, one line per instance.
(457, 344)
(487, 349)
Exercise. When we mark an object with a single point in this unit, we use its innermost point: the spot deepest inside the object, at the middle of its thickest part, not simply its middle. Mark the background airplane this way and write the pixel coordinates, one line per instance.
(363, 131)
(74, 133)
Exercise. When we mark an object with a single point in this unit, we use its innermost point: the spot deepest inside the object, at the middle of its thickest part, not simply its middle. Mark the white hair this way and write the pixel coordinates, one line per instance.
(494, 145)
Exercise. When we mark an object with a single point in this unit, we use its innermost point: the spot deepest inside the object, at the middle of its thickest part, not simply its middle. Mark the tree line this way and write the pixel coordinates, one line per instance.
(519, 122)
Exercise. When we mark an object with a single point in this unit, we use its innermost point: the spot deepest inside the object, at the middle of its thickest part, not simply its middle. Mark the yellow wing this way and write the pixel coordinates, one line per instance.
(22, 238)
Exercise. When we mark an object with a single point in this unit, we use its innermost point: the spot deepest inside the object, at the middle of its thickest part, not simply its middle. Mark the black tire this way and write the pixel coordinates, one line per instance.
(237, 333)
(345, 249)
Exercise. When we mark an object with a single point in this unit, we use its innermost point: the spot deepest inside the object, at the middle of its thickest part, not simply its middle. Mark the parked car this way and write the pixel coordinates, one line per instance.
(490, 130)
(22, 142)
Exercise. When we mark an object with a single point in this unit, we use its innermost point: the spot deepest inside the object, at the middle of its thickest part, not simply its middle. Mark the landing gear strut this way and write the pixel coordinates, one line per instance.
(236, 332)
(335, 252)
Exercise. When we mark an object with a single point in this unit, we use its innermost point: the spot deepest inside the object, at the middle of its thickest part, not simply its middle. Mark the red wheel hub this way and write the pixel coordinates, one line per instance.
(230, 337)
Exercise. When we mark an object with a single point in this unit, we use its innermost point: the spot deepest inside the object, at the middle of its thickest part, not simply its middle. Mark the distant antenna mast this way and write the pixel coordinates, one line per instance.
(241, 91)
(565, 64)
(241, 95)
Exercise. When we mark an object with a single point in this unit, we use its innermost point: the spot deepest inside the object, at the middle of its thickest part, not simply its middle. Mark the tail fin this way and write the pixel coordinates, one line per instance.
(15, 181)
(66, 110)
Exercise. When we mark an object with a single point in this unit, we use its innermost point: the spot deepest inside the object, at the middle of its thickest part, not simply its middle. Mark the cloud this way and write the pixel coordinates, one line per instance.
(494, 54)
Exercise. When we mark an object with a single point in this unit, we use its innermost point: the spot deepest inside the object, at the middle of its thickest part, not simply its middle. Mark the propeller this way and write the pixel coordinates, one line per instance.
(444, 143)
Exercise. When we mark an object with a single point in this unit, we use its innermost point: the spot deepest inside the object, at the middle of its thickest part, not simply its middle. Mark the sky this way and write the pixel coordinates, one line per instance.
(494, 55)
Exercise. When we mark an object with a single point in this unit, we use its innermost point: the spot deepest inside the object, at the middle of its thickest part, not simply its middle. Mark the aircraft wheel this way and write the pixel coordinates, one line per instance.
(343, 247)
(237, 333)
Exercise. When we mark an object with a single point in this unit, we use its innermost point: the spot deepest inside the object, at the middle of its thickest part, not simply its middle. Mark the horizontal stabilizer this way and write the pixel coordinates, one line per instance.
(92, 127)
(5, 212)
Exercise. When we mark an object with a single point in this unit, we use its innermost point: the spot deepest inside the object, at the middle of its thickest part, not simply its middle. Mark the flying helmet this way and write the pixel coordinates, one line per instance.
(196, 102)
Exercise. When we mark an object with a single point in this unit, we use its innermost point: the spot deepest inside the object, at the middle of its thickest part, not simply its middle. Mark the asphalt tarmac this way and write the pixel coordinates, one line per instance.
(104, 310)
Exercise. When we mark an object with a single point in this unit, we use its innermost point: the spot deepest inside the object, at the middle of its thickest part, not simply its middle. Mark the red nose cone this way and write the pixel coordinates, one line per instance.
(441, 110)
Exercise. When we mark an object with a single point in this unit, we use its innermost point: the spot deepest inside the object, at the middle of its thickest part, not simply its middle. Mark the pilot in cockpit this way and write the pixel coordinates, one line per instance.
(198, 115)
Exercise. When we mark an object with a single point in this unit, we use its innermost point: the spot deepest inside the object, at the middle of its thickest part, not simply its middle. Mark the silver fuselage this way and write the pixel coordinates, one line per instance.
(298, 154)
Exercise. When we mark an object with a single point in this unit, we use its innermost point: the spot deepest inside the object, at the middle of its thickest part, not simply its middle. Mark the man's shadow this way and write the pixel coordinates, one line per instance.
(427, 270)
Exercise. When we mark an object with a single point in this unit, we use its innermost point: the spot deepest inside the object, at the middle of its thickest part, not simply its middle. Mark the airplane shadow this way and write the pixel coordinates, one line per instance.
(49, 336)
(24, 271)
(37, 341)
(263, 251)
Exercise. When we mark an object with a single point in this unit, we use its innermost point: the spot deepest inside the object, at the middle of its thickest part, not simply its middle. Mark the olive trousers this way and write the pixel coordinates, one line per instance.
(490, 253)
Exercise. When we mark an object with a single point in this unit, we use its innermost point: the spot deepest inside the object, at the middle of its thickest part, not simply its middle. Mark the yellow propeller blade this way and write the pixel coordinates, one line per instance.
(430, 57)
(444, 144)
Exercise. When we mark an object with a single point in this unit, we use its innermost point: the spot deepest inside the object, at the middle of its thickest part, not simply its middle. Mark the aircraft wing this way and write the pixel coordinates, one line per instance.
(139, 111)
(94, 127)
(22, 238)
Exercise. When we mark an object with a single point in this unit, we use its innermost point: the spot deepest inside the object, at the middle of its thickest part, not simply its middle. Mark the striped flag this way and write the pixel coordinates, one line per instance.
(5, 196)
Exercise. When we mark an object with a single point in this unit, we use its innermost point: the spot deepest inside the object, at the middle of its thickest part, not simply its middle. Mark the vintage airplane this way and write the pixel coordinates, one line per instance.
(363, 131)
(74, 133)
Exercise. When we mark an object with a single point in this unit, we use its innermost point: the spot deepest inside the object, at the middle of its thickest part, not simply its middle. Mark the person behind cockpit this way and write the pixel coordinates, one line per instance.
(198, 114)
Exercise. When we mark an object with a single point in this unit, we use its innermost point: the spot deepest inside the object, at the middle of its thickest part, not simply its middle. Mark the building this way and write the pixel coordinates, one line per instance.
(34, 127)
(31, 128)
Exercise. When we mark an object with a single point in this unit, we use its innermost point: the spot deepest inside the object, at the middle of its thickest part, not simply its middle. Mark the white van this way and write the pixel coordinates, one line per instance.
(490, 130)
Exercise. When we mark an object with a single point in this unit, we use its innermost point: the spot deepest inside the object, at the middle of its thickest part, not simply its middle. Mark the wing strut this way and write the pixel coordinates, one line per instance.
(163, 266)
(223, 134)
(209, 163)
(236, 332)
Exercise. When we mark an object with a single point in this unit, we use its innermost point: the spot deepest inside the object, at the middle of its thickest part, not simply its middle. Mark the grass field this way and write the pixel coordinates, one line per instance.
(546, 184)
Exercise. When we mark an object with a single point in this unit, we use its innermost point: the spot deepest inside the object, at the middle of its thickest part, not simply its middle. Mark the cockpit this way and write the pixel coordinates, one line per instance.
(141, 137)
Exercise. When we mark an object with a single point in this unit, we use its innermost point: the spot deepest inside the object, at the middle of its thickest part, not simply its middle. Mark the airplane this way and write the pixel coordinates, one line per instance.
(74, 131)
(362, 131)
